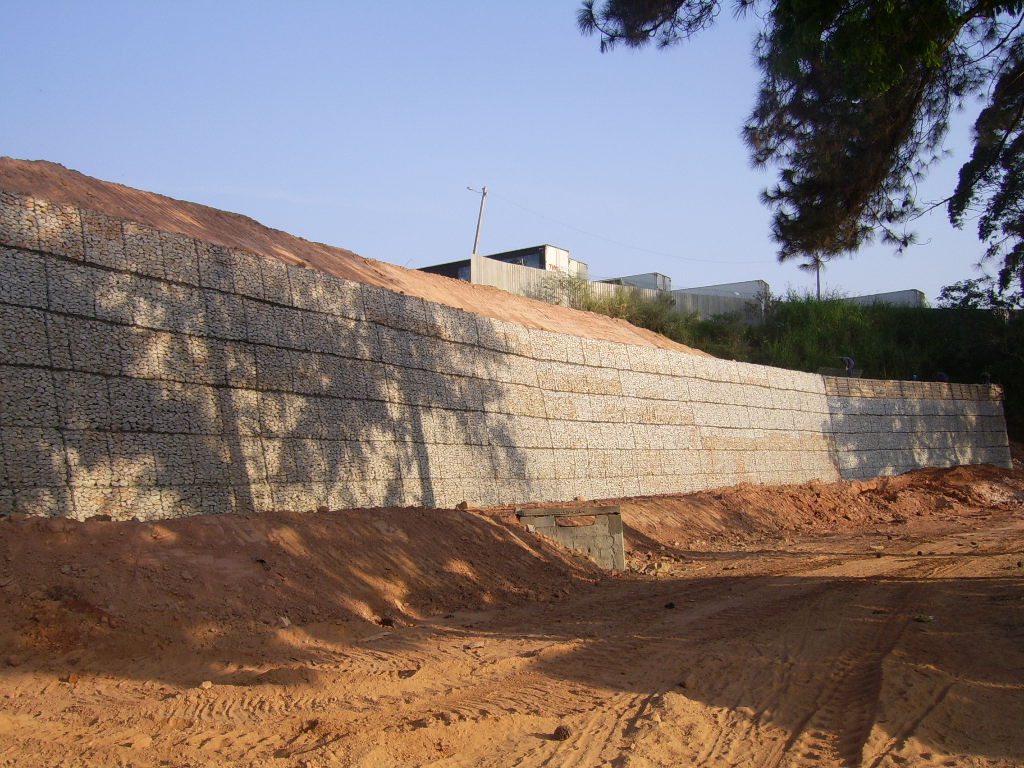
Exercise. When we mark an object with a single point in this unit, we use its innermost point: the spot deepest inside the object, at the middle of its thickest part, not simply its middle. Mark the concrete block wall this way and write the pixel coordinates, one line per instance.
(593, 531)
(147, 374)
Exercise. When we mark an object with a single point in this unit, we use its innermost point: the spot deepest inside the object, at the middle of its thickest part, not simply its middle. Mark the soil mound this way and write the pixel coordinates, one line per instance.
(864, 624)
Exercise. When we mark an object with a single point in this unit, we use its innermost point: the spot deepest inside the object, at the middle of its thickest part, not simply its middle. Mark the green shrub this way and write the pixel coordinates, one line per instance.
(899, 343)
(806, 334)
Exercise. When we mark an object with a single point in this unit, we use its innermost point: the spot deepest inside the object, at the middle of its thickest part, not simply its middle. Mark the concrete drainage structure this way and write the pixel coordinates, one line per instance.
(147, 374)
(593, 531)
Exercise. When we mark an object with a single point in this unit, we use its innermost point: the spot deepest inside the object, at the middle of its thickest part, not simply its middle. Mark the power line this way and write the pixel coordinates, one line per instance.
(626, 245)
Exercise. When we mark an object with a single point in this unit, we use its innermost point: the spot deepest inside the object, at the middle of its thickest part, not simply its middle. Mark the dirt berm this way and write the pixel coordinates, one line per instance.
(871, 623)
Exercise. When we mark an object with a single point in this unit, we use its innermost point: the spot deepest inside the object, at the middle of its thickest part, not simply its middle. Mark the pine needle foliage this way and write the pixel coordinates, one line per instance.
(854, 105)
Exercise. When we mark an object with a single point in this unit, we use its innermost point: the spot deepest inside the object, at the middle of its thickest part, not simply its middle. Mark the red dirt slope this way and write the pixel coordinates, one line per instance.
(55, 182)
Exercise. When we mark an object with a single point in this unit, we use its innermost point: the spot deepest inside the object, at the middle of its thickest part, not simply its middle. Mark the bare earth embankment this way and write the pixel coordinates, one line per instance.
(55, 183)
(876, 623)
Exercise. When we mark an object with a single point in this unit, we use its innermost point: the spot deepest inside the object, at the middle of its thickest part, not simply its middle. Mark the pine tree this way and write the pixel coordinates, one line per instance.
(854, 105)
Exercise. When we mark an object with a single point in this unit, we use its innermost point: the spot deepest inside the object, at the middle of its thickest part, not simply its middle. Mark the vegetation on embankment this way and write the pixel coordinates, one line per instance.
(806, 334)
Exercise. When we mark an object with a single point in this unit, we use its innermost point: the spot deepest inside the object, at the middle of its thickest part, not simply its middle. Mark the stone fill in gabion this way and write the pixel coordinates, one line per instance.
(146, 374)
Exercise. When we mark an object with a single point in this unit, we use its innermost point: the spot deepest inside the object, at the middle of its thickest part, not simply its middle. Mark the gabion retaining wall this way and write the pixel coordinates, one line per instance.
(147, 374)
(887, 427)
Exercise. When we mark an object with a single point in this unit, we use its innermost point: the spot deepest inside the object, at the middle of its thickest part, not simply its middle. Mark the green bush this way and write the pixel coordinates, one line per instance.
(899, 343)
(806, 334)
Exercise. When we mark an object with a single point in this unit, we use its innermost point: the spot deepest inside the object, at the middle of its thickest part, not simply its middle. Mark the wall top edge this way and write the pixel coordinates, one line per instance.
(650, 358)
(841, 386)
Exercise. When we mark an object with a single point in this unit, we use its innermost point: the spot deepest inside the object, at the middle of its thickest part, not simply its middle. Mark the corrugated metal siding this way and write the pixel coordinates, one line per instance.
(607, 290)
(747, 289)
(554, 287)
(709, 306)
(908, 298)
(514, 278)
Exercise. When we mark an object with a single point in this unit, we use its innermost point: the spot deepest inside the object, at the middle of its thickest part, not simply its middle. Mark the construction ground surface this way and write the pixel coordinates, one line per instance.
(876, 623)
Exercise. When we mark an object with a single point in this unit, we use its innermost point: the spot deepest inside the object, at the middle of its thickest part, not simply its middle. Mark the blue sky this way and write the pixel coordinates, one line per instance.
(361, 125)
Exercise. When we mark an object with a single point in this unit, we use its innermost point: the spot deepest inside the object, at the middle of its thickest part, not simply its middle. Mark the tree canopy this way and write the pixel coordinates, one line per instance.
(981, 293)
(854, 105)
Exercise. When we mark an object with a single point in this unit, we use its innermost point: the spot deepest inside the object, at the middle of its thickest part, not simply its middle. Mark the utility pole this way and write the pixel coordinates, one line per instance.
(480, 216)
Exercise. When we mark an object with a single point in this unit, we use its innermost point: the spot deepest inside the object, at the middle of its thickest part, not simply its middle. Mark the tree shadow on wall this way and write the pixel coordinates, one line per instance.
(269, 387)
(266, 387)
(188, 379)
(162, 378)
(873, 437)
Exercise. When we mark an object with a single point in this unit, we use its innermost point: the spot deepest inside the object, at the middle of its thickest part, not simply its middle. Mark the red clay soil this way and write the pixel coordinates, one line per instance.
(54, 182)
(867, 624)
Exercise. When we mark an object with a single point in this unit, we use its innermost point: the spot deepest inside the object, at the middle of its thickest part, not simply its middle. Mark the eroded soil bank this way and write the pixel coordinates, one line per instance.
(53, 182)
(874, 623)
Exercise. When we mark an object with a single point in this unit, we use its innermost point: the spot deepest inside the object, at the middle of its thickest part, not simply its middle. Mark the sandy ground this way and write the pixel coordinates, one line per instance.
(51, 181)
(874, 623)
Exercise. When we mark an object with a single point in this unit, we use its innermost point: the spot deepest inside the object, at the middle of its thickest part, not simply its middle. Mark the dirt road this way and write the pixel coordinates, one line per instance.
(886, 630)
